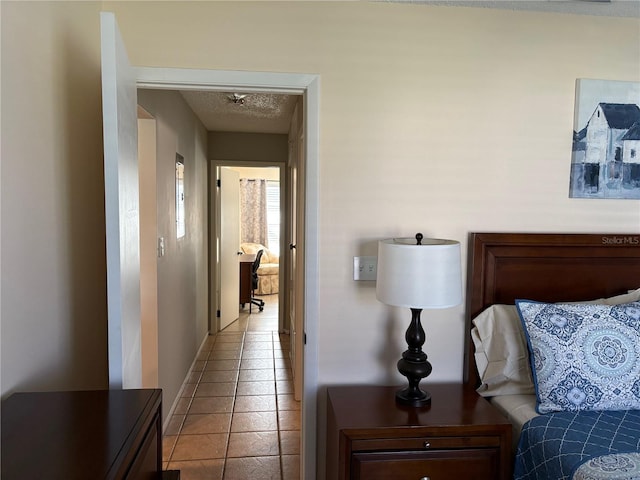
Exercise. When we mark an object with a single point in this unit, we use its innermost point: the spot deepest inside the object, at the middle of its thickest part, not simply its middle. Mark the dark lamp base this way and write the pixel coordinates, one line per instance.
(407, 397)
(414, 365)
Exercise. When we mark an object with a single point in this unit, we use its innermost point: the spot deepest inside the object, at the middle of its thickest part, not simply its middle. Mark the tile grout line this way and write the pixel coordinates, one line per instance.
(233, 403)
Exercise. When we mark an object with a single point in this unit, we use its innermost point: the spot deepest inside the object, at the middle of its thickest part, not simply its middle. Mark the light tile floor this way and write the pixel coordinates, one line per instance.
(237, 418)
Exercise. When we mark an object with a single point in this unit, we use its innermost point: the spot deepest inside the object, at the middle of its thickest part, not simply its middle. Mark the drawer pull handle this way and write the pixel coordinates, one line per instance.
(426, 445)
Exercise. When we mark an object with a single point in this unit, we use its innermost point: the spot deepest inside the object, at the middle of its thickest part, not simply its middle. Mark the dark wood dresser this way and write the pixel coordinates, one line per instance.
(106, 434)
(460, 436)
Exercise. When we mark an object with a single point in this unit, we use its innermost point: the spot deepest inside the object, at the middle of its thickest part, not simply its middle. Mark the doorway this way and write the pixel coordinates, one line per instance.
(261, 223)
(119, 82)
(307, 86)
(261, 230)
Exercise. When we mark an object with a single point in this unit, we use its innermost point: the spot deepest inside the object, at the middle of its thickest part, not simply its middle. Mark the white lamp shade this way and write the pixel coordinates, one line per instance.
(419, 276)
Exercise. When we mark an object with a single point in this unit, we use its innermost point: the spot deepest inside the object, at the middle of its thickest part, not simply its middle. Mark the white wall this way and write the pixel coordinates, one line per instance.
(182, 271)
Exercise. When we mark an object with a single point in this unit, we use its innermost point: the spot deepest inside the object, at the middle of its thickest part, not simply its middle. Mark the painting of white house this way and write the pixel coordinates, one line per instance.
(605, 161)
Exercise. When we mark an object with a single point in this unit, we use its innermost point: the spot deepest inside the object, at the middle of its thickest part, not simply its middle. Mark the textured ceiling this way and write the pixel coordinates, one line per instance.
(260, 112)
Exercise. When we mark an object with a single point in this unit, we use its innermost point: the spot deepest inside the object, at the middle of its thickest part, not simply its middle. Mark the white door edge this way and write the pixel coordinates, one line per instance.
(122, 208)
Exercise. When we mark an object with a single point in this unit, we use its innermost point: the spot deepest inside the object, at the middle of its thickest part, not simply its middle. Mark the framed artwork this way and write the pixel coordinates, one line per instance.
(605, 160)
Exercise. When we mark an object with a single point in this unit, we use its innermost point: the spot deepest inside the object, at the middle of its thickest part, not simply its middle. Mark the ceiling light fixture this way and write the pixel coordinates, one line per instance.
(238, 98)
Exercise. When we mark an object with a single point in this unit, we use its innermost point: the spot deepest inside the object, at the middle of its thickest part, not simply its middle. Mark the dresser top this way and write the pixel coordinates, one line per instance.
(70, 435)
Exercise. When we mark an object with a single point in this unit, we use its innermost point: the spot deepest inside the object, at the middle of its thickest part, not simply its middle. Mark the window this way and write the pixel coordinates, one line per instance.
(273, 216)
(180, 223)
(633, 153)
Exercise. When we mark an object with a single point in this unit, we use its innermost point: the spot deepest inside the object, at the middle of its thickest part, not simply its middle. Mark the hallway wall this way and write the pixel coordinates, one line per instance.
(183, 270)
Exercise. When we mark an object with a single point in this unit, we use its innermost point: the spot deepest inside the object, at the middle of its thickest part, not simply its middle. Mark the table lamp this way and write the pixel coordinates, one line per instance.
(418, 273)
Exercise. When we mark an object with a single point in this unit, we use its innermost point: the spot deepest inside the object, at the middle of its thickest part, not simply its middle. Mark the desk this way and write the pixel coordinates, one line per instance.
(246, 262)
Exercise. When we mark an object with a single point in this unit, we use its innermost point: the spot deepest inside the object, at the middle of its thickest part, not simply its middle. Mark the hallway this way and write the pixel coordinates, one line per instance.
(237, 418)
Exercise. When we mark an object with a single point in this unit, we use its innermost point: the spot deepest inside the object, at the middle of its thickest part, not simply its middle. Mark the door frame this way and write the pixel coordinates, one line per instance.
(308, 86)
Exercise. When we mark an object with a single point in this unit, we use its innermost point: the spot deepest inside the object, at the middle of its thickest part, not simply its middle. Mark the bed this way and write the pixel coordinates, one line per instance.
(568, 290)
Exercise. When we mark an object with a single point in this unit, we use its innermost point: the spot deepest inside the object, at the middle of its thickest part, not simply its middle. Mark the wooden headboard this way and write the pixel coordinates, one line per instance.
(503, 267)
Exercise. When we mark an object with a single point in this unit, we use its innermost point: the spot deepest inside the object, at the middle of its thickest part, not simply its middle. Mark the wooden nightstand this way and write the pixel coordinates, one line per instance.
(459, 436)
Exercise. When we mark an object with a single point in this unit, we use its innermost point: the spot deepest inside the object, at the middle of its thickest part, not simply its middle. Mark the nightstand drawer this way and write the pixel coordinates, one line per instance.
(474, 464)
(424, 443)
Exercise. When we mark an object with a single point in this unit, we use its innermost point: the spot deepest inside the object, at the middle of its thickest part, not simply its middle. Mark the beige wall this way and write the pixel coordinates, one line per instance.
(182, 271)
(442, 120)
(53, 310)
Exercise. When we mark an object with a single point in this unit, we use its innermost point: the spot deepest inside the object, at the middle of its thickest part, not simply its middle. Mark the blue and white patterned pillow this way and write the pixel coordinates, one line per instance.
(583, 356)
(614, 466)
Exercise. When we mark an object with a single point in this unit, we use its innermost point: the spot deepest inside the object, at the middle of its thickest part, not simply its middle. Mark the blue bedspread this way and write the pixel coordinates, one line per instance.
(555, 445)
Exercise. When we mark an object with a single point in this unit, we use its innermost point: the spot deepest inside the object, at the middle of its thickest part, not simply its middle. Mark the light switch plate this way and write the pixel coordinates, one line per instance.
(365, 268)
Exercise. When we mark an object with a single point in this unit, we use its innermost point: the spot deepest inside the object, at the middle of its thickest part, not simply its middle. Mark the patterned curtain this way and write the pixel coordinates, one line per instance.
(253, 211)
